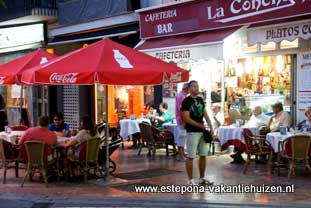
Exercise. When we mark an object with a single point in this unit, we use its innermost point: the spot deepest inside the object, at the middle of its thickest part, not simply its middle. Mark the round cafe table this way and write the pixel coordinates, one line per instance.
(129, 127)
(232, 135)
(11, 136)
(274, 138)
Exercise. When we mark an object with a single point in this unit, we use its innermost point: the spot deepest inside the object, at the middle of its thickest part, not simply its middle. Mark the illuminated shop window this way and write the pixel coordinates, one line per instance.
(285, 44)
(270, 46)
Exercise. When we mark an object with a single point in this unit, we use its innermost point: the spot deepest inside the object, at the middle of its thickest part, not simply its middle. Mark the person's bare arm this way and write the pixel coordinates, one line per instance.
(71, 142)
(159, 118)
(188, 120)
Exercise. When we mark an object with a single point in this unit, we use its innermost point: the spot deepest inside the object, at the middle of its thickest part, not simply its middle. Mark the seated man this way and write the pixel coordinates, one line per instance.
(258, 118)
(166, 116)
(280, 118)
(59, 126)
(39, 133)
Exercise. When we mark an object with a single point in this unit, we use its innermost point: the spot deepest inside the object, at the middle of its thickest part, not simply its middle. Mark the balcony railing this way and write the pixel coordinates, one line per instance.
(21, 8)
(44, 7)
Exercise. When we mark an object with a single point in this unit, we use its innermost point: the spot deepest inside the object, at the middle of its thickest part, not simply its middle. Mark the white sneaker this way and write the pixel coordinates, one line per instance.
(192, 183)
(204, 181)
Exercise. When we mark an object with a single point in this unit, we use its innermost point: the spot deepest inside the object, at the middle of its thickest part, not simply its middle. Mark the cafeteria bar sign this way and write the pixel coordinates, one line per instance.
(191, 16)
(290, 32)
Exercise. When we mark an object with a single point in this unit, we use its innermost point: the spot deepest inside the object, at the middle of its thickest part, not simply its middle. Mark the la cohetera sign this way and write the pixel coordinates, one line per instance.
(290, 32)
(202, 15)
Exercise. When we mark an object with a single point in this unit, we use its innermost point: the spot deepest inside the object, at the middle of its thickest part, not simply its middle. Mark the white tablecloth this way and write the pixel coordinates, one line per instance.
(129, 127)
(172, 128)
(226, 133)
(275, 137)
(12, 136)
(62, 140)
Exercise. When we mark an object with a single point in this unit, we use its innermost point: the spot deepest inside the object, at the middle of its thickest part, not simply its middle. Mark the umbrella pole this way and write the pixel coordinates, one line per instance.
(21, 104)
(107, 136)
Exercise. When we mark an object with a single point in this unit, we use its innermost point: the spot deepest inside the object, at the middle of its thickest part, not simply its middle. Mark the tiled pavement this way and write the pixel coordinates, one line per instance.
(97, 194)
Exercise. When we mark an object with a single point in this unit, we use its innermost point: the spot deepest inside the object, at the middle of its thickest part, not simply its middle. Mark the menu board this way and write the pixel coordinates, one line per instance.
(305, 73)
(304, 95)
(169, 90)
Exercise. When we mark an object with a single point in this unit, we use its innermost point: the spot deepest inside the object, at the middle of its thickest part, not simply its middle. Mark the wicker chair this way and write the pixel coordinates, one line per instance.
(256, 146)
(86, 157)
(294, 148)
(147, 137)
(38, 160)
(7, 155)
(154, 139)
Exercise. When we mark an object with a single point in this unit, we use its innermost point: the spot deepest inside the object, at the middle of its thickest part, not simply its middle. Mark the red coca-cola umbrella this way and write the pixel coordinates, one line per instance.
(11, 72)
(105, 62)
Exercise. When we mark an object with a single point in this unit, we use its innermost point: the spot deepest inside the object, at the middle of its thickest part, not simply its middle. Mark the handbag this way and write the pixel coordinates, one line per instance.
(207, 136)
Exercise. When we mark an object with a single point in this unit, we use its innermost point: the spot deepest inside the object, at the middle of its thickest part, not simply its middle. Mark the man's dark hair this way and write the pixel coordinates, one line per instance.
(59, 115)
(192, 82)
(278, 105)
(164, 105)
(44, 121)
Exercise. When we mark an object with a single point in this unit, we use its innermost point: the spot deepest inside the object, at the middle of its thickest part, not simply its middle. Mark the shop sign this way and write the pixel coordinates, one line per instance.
(202, 15)
(21, 35)
(278, 33)
(16, 91)
(173, 55)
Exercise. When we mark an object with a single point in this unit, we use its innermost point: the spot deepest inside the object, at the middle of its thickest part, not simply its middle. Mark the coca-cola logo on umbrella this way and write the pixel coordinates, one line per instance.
(121, 59)
(2, 80)
(69, 78)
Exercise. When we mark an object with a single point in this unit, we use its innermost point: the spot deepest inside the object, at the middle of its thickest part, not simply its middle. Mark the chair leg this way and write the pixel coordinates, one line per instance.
(308, 167)
(140, 148)
(16, 169)
(278, 164)
(85, 174)
(43, 171)
(174, 150)
(166, 147)
(247, 163)
(213, 148)
(154, 152)
(271, 164)
(26, 175)
(291, 170)
(5, 167)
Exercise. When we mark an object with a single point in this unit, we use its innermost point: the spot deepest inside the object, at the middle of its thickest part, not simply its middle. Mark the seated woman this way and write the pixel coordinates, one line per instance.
(59, 126)
(87, 131)
(306, 124)
(166, 116)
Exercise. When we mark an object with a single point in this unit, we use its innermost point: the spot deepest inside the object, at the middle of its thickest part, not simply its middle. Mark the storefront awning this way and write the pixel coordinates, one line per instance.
(281, 30)
(95, 35)
(192, 39)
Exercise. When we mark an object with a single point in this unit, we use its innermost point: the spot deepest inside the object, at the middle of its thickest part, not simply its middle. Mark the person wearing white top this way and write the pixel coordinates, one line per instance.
(258, 119)
(280, 118)
(218, 118)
